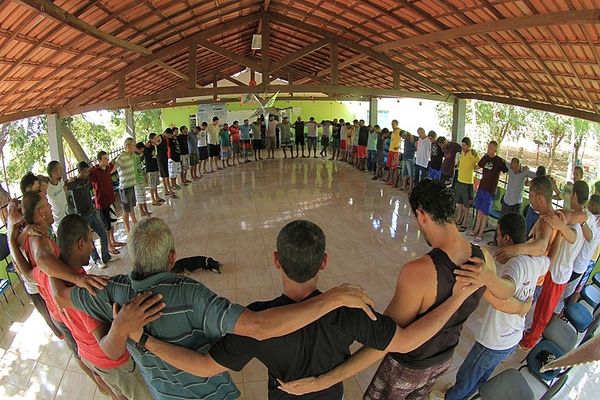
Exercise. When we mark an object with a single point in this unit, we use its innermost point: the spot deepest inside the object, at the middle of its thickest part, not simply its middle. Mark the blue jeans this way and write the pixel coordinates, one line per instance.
(476, 370)
(97, 226)
(371, 164)
(420, 173)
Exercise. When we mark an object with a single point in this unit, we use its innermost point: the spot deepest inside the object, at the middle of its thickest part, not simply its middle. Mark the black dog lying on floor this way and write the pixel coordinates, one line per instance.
(192, 264)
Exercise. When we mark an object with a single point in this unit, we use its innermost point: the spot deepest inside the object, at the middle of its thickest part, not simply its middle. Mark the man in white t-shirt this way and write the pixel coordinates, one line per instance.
(510, 295)
(422, 156)
(57, 197)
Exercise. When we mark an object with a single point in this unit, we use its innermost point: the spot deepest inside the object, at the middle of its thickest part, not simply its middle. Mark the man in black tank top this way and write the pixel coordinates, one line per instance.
(423, 285)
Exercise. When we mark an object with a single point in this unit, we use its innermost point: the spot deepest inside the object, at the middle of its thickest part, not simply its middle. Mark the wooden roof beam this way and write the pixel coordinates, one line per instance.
(367, 51)
(58, 14)
(534, 105)
(529, 21)
(290, 58)
(162, 53)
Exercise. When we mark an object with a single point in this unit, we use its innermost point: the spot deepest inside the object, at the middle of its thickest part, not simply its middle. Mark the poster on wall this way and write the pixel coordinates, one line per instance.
(206, 112)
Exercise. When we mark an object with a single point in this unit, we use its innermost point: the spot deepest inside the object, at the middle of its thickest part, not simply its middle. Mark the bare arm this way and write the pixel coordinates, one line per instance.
(536, 247)
(21, 263)
(561, 225)
(182, 358)
(144, 308)
(55, 268)
(508, 306)
(280, 321)
(474, 273)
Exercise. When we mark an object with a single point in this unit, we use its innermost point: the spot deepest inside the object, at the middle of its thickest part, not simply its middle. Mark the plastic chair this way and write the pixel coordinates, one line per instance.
(507, 385)
(579, 316)
(596, 279)
(4, 286)
(10, 267)
(561, 334)
(591, 295)
(534, 365)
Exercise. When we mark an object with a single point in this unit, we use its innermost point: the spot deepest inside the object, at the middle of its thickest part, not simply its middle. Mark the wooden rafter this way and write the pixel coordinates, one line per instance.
(534, 105)
(499, 48)
(60, 15)
(365, 51)
(290, 58)
(162, 53)
(505, 24)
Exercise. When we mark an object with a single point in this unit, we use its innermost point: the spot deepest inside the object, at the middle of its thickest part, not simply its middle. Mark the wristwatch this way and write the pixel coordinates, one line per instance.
(141, 345)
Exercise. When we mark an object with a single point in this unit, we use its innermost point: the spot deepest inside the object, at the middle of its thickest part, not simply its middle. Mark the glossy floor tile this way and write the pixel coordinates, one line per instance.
(235, 216)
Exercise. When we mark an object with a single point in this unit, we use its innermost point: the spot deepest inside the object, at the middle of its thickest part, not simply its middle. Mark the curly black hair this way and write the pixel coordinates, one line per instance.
(434, 198)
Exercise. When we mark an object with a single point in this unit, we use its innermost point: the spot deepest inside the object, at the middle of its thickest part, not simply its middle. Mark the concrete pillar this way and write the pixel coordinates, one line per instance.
(129, 122)
(373, 110)
(459, 117)
(55, 142)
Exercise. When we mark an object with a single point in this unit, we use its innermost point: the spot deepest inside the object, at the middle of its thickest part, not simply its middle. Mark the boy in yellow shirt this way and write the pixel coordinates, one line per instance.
(464, 185)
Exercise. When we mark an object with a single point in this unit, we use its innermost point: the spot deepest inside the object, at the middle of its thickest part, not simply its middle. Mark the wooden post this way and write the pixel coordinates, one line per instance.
(333, 48)
(264, 51)
(215, 97)
(192, 66)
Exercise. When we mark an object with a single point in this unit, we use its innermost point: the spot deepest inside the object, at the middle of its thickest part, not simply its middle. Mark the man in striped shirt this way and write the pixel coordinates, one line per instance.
(194, 316)
(126, 165)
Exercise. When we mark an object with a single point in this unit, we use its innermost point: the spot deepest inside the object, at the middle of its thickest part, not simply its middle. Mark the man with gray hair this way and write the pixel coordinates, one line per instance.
(126, 165)
(194, 316)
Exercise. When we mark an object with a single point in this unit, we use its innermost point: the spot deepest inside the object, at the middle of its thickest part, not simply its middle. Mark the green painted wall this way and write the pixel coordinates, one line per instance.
(318, 109)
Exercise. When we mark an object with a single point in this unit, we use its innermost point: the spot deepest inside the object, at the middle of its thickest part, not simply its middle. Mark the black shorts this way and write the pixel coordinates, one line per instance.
(257, 144)
(105, 216)
(214, 150)
(203, 153)
(299, 140)
(163, 168)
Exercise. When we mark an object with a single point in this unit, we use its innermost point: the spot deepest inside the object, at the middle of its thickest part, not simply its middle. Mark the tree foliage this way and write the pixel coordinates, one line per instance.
(28, 143)
(499, 121)
(146, 121)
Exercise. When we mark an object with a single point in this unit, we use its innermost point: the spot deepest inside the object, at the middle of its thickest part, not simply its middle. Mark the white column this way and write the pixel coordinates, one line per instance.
(373, 110)
(55, 142)
(459, 117)
(129, 122)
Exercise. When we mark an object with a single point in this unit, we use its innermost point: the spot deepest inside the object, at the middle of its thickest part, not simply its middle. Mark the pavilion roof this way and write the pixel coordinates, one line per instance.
(71, 56)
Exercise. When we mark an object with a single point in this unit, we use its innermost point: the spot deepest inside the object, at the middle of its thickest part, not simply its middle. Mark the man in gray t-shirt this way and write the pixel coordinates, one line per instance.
(517, 175)
(513, 197)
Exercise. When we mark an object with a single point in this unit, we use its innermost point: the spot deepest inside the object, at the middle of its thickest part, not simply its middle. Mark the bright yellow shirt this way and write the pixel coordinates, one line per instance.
(466, 166)
(395, 140)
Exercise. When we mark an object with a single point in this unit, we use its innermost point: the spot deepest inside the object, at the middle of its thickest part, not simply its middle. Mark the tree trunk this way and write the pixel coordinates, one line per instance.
(74, 145)
(576, 147)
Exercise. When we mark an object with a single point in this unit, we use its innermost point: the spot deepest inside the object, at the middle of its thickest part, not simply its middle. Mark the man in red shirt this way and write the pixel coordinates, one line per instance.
(42, 253)
(104, 196)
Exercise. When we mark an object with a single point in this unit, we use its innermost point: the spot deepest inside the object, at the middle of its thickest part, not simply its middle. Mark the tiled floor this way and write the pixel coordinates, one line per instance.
(234, 216)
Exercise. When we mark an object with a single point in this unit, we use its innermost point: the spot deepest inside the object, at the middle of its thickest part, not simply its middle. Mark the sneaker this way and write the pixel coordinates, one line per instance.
(101, 265)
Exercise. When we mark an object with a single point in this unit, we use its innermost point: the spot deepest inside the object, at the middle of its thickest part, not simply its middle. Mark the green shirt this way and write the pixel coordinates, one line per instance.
(372, 143)
(194, 317)
(126, 166)
(224, 138)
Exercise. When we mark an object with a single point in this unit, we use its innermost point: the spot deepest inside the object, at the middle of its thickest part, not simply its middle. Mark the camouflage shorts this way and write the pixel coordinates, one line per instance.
(394, 381)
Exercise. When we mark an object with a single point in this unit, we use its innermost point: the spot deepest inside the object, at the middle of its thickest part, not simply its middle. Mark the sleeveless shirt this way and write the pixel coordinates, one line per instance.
(441, 346)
